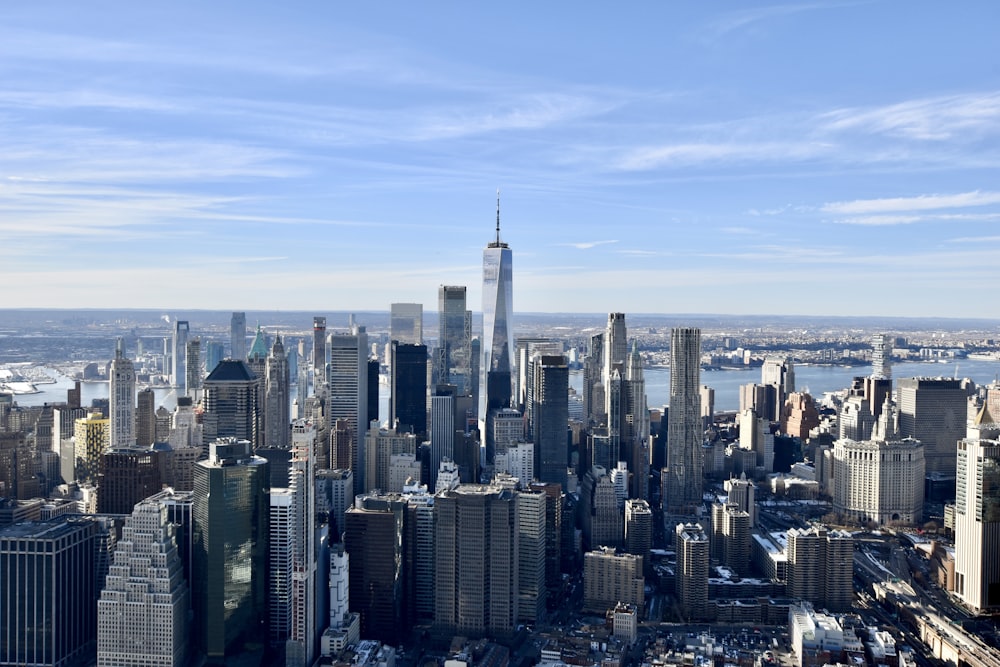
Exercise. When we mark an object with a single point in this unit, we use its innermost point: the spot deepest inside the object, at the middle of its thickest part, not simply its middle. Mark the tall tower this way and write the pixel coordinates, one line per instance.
(408, 396)
(146, 418)
(231, 403)
(691, 545)
(453, 360)
(406, 323)
(684, 436)
(933, 411)
(122, 399)
(238, 336)
(142, 613)
(277, 426)
(178, 355)
(881, 351)
(192, 365)
(977, 522)
(551, 416)
(496, 370)
(319, 356)
(347, 387)
(615, 351)
(230, 544)
(300, 648)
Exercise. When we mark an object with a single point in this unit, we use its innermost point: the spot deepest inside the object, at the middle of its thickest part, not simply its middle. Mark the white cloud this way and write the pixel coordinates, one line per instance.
(680, 154)
(935, 118)
(587, 245)
(919, 203)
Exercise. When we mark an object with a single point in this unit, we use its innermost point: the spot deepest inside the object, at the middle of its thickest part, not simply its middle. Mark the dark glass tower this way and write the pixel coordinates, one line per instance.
(408, 401)
(551, 416)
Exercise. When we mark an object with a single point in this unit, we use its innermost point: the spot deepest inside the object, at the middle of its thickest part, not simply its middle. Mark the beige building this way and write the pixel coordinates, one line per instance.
(879, 481)
(610, 578)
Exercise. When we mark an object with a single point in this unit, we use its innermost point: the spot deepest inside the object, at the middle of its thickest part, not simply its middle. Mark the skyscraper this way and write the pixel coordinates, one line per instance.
(691, 545)
(406, 323)
(47, 591)
(178, 355)
(192, 366)
(142, 613)
(933, 411)
(319, 356)
(615, 351)
(277, 426)
(408, 396)
(496, 370)
(347, 387)
(881, 351)
(374, 540)
(122, 399)
(977, 522)
(231, 403)
(551, 415)
(453, 358)
(145, 418)
(238, 336)
(229, 572)
(91, 436)
(684, 436)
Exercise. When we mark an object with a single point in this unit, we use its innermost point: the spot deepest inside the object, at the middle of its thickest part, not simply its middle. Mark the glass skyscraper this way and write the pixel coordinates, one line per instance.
(498, 319)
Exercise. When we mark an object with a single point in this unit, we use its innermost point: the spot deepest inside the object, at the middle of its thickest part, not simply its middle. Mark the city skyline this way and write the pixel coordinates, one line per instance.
(651, 160)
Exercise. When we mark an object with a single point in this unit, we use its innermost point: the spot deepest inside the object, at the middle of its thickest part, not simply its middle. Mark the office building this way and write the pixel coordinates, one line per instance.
(380, 446)
(707, 406)
(531, 532)
(47, 592)
(550, 412)
(347, 393)
(231, 401)
(453, 357)
(799, 416)
(344, 625)
(178, 356)
(319, 357)
(121, 377)
(609, 578)
(508, 431)
(279, 564)
(935, 412)
(145, 418)
(553, 534)
(277, 398)
(683, 478)
(880, 481)
(237, 336)
(127, 477)
(230, 549)
(142, 611)
(442, 434)
(334, 494)
(476, 556)
(756, 436)
(691, 546)
(977, 522)
(408, 391)
(593, 385)
(406, 323)
(743, 493)
(603, 515)
(374, 540)
(496, 369)
(300, 649)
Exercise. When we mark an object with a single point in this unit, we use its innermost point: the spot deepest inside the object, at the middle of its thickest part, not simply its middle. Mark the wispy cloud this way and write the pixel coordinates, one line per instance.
(919, 203)
(880, 220)
(974, 239)
(934, 118)
(587, 245)
(737, 20)
(687, 154)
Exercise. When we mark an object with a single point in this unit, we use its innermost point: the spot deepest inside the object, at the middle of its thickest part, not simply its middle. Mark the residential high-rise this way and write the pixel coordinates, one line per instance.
(47, 592)
(731, 537)
(691, 545)
(477, 567)
(300, 649)
(821, 566)
(683, 478)
(550, 412)
(230, 543)
(935, 412)
(232, 409)
(277, 393)
(192, 366)
(610, 577)
(408, 395)
(347, 389)
(319, 356)
(881, 352)
(742, 492)
(638, 527)
(977, 522)
(142, 613)
(406, 323)
(178, 356)
(238, 336)
(122, 399)
(280, 525)
(91, 437)
(593, 368)
(496, 369)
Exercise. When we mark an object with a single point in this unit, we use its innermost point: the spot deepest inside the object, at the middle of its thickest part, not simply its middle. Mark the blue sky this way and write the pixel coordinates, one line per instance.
(804, 158)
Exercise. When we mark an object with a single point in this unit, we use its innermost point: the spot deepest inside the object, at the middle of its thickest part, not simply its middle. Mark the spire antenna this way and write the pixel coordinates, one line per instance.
(498, 216)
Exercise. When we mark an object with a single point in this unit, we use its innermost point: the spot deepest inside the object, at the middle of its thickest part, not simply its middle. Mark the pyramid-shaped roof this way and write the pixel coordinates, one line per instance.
(259, 347)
